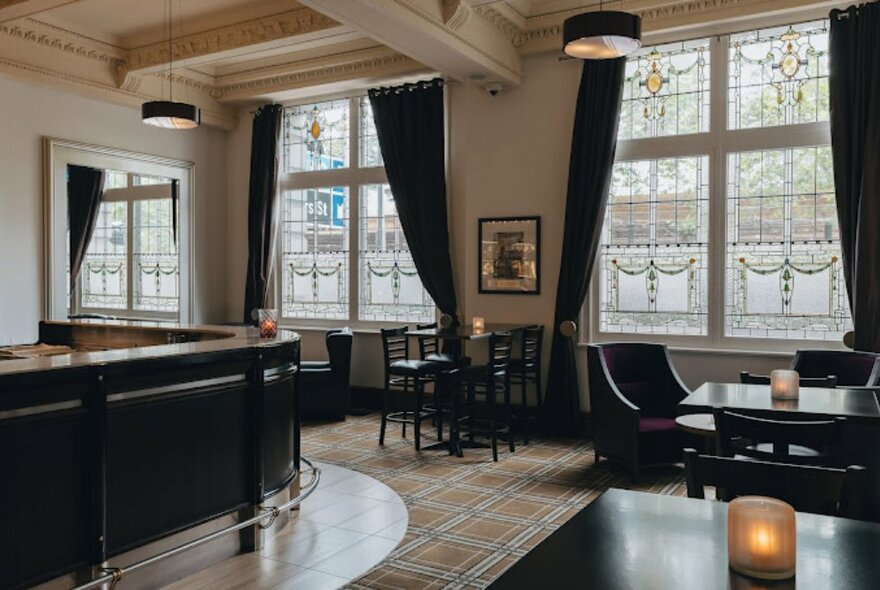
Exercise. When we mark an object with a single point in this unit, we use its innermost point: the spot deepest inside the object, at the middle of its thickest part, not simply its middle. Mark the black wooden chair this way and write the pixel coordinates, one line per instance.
(486, 410)
(634, 397)
(326, 384)
(802, 442)
(525, 371)
(822, 490)
(404, 374)
(829, 381)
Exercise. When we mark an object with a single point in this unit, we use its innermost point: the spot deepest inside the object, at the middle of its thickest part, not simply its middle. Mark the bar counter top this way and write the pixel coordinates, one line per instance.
(111, 341)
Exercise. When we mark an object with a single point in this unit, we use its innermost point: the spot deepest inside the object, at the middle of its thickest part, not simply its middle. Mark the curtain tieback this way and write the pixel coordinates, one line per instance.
(567, 328)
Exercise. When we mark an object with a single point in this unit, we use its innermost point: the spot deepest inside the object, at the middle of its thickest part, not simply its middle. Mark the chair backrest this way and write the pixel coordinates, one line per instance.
(339, 343)
(829, 381)
(394, 345)
(428, 345)
(851, 367)
(823, 490)
(532, 342)
(643, 373)
(500, 346)
(772, 440)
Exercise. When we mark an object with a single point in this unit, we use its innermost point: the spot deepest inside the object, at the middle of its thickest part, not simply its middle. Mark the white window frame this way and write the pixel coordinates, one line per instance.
(717, 144)
(353, 177)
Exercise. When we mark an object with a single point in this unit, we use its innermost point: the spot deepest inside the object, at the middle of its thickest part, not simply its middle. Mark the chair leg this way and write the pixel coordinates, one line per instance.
(385, 399)
(417, 416)
(403, 424)
(493, 428)
(596, 456)
(525, 408)
(471, 401)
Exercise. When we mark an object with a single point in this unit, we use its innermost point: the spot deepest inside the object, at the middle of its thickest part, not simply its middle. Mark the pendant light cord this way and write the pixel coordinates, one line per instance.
(170, 51)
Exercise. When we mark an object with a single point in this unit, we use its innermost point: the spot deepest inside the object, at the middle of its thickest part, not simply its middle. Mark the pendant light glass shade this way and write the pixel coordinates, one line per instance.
(170, 115)
(605, 34)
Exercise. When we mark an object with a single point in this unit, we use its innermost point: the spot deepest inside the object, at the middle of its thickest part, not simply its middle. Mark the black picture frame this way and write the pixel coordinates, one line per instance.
(509, 255)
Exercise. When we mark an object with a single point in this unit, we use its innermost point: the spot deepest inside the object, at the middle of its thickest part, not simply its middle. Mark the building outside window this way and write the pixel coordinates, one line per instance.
(343, 255)
(721, 222)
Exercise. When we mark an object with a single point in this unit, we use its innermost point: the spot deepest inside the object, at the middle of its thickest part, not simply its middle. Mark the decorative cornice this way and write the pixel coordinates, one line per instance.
(316, 74)
(32, 31)
(262, 30)
(501, 24)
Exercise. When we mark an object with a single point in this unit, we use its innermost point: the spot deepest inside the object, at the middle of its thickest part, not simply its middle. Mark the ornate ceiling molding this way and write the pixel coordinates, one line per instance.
(502, 25)
(263, 30)
(32, 31)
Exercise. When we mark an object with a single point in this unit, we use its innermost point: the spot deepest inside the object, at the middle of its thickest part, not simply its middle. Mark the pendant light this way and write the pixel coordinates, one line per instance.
(169, 114)
(604, 34)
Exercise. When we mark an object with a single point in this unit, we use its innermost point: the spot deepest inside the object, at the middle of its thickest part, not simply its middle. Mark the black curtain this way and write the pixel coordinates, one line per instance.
(855, 143)
(409, 123)
(85, 189)
(262, 203)
(593, 144)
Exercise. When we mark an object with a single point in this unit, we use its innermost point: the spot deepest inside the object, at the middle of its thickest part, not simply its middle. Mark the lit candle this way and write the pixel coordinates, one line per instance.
(761, 539)
(268, 323)
(479, 324)
(784, 384)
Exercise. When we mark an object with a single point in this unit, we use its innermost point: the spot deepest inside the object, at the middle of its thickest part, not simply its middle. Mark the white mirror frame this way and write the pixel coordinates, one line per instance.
(57, 154)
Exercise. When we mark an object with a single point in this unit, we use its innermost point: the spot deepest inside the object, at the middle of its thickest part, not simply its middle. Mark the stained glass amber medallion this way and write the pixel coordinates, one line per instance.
(779, 76)
(666, 91)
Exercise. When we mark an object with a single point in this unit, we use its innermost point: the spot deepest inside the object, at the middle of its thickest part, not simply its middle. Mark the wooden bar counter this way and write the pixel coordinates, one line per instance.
(141, 434)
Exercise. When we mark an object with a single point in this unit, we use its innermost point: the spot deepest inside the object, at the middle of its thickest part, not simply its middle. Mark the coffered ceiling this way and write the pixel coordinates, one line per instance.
(227, 53)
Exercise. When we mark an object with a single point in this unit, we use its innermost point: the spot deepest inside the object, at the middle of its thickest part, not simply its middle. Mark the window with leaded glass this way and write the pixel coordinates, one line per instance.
(336, 195)
(778, 76)
(783, 255)
(666, 91)
(132, 264)
(654, 246)
(756, 152)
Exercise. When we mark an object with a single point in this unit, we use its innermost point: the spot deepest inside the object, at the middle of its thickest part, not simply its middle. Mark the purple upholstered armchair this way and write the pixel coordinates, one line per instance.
(852, 368)
(634, 391)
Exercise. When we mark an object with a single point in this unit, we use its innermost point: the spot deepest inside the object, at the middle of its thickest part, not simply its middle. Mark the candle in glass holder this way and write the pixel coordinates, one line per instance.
(784, 384)
(479, 324)
(761, 540)
(268, 322)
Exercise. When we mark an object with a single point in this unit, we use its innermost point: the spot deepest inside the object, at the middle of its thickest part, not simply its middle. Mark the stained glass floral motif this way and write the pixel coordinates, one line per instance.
(316, 136)
(779, 76)
(666, 91)
(654, 247)
(783, 252)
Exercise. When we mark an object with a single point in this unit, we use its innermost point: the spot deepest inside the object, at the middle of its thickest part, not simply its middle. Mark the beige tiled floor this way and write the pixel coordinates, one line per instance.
(348, 525)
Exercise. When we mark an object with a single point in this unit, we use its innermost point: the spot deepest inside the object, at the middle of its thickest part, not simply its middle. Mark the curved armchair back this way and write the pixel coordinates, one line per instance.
(339, 353)
(851, 367)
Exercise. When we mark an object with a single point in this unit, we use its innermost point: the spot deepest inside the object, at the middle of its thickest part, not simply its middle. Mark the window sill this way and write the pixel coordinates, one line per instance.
(710, 351)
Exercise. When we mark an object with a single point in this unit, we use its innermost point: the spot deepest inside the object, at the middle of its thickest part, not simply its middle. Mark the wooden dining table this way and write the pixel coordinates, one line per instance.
(628, 540)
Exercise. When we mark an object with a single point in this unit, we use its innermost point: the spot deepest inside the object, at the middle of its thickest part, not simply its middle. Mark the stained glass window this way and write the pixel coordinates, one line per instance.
(654, 247)
(316, 136)
(390, 286)
(666, 91)
(104, 273)
(314, 257)
(783, 254)
(370, 154)
(155, 255)
(779, 76)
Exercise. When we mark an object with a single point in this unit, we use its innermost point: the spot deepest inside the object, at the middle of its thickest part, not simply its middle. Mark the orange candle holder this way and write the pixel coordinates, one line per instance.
(784, 384)
(268, 322)
(761, 537)
(479, 324)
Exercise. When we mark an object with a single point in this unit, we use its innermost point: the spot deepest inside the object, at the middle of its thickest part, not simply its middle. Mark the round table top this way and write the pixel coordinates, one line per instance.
(702, 424)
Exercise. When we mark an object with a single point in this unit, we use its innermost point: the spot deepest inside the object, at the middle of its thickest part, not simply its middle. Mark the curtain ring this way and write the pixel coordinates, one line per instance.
(567, 328)
(849, 339)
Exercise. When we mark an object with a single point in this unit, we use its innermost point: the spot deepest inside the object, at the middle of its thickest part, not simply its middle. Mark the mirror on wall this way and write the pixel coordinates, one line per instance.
(117, 234)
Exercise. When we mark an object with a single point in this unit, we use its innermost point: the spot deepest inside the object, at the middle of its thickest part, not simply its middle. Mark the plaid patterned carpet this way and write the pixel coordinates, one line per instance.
(470, 518)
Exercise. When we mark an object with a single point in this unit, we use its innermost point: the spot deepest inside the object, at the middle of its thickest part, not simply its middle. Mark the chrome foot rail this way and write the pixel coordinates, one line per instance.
(113, 575)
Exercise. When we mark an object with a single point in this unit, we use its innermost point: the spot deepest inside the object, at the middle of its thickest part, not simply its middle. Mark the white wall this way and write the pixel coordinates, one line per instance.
(27, 114)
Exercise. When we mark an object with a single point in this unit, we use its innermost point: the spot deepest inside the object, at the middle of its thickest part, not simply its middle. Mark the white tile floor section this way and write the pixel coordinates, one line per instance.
(348, 525)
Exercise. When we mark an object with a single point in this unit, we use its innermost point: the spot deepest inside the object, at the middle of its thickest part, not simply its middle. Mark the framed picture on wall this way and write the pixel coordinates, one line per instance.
(510, 255)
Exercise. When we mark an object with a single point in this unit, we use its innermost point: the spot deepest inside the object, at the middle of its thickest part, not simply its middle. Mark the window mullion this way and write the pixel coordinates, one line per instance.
(354, 190)
(716, 268)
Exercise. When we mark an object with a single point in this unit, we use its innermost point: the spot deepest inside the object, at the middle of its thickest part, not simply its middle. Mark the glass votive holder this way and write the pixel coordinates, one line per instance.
(761, 537)
(784, 384)
(268, 322)
(479, 324)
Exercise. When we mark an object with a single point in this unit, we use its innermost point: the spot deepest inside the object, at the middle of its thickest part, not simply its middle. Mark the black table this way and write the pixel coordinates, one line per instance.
(638, 541)
(466, 332)
(858, 405)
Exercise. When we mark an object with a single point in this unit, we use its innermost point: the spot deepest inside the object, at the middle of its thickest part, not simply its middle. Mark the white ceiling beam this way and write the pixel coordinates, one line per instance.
(446, 35)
